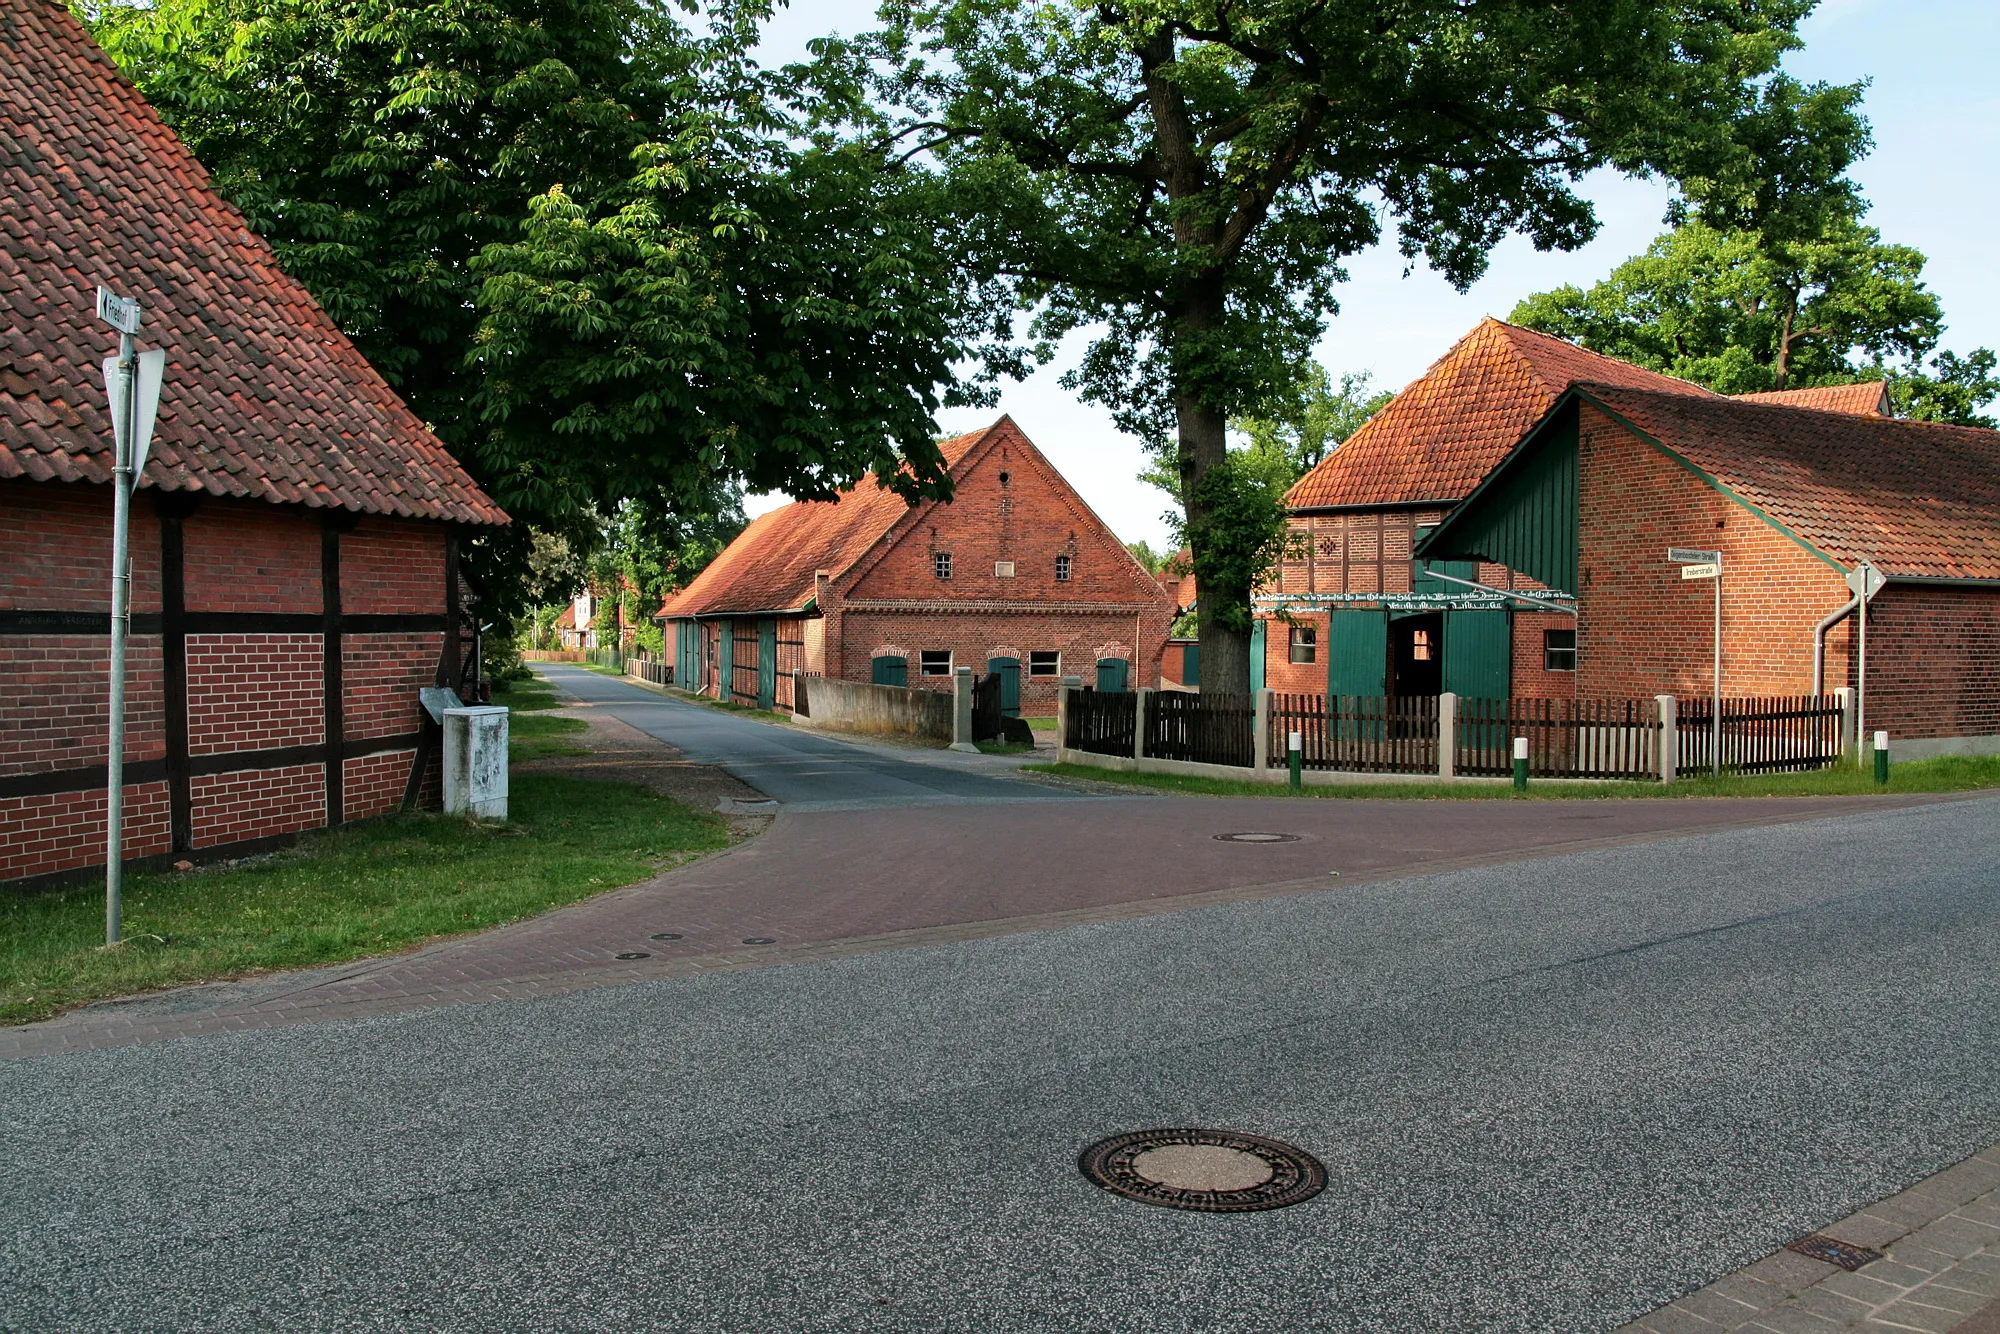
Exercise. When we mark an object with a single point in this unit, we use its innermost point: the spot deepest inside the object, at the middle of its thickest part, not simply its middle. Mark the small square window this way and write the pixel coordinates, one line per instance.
(1044, 663)
(1305, 643)
(1420, 646)
(1559, 650)
(937, 662)
(941, 564)
(1003, 569)
(1062, 569)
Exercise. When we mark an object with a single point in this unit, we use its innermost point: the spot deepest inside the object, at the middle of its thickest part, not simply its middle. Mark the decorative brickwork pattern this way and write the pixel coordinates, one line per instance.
(253, 692)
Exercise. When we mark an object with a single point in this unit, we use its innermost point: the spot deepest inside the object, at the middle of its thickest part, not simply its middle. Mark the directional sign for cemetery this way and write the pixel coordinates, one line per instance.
(1706, 570)
(120, 312)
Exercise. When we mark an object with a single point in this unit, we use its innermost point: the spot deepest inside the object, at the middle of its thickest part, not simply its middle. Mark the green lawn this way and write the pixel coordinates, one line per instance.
(1950, 774)
(1041, 724)
(526, 695)
(533, 737)
(1001, 748)
(378, 887)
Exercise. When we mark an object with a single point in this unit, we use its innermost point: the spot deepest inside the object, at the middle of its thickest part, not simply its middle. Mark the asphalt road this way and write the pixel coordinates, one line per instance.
(804, 771)
(1551, 1094)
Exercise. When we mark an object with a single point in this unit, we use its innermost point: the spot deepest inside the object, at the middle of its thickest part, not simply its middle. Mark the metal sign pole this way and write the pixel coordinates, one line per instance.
(1715, 739)
(121, 608)
(1861, 680)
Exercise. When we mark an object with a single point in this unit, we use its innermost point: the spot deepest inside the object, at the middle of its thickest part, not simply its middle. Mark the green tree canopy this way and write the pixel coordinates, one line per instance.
(591, 242)
(1185, 177)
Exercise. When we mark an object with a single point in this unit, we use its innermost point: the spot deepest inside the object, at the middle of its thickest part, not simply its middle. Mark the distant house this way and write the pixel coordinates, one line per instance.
(294, 534)
(1014, 575)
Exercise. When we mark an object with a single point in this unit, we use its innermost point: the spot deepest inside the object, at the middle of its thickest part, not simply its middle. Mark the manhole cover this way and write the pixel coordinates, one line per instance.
(668, 935)
(635, 954)
(1843, 1253)
(760, 940)
(1213, 1171)
(1256, 838)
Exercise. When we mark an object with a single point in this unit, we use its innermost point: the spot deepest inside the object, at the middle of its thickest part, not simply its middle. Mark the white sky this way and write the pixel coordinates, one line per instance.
(1935, 105)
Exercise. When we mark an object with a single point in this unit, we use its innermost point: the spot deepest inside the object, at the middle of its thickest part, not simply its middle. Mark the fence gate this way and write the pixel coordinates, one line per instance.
(988, 704)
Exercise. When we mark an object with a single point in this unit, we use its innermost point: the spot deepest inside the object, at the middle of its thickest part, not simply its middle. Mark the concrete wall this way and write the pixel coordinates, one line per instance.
(854, 706)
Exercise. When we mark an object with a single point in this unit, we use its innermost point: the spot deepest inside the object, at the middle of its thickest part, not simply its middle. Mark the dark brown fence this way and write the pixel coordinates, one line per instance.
(1207, 729)
(1357, 733)
(1101, 722)
(1567, 738)
(1769, 735)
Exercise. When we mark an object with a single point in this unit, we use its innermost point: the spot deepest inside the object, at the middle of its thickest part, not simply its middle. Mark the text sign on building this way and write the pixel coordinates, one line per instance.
(1705, 570)
(1692, 556)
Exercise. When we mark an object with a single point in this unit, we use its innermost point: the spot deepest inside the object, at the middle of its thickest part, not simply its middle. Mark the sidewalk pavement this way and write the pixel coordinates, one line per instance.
(1927, 1260)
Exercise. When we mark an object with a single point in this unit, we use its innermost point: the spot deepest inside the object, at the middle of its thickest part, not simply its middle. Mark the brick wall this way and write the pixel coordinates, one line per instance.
(1933, 662)
(972, 638)
(1532, 678)
(1643, 630)
(246, 691)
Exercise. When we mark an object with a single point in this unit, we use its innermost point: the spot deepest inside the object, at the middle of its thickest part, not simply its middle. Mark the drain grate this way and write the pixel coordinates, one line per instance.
(760, 940)
(1842, 1253)
(635, 954)
(1209, 1171)
(669, 935)
(1256, 838)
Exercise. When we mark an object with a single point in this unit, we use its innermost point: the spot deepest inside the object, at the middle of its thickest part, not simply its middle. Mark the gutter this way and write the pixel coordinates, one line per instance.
(1819, 644)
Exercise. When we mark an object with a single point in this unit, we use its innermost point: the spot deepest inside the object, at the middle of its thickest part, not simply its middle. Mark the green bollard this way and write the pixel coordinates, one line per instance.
(1881, 757)
(1520, 764)
(1298, 762)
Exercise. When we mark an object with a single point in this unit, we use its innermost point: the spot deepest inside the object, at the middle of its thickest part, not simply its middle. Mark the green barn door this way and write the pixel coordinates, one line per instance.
(888, 671)
(767, 664)
(1357, 653)
(1479, 664)
(1010, 684)
(1110, 675)
(725, 664)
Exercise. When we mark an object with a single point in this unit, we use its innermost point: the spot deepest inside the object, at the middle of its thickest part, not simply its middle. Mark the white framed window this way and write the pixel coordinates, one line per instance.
(1044, 662)
(1003, 569)
(941, 564)
(936, 661)
(1305, 643)
(1420, 645)
(1062, 569)
(1559, 650)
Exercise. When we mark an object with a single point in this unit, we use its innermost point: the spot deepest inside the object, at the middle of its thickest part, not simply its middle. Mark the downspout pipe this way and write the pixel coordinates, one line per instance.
(1819, 644)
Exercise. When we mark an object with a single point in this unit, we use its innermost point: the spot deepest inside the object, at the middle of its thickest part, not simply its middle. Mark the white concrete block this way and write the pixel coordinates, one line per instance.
(475, 762)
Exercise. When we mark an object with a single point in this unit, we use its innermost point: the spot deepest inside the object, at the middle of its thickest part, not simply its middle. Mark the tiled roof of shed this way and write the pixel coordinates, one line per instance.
(1437, 439)
(1869, 398)
(264, 397)
(772, 565)
(1920, 500)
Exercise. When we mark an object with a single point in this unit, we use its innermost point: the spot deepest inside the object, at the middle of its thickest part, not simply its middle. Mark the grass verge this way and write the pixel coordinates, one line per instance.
(1947, 774)
(376, 888)
(527, 695)
(533, 737)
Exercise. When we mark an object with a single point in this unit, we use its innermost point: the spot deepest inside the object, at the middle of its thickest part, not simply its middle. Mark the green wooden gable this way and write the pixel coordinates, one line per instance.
(1524, 515)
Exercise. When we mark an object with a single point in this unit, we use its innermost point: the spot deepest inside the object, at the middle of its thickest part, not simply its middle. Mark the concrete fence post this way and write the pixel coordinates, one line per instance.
(961, 713)
(1140, 698)
(1850, 744)
(1447, 735)
(1260, 734)
(1670, 737)
(1065, 688)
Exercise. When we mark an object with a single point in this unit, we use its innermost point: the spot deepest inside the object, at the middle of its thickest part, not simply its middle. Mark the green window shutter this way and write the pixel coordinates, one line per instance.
(1478, 654)
(1111, 675)
(1357, 653)
(1191, 665)
(767, 664)
(725, 680)
(887, 671)
(1256, 656)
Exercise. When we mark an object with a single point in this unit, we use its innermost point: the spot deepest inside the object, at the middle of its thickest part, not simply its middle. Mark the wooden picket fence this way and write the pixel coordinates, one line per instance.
(1357, 733)
(1775, 734)
(1208, 729)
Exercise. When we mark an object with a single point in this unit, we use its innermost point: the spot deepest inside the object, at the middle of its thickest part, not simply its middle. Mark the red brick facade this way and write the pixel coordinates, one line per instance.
(1031, 570)
(251, 718)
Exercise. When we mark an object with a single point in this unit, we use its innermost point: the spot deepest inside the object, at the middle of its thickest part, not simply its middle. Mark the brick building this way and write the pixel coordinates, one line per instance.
(1794, 498)
(1014, 574)
(293, 535)
(1353, 612)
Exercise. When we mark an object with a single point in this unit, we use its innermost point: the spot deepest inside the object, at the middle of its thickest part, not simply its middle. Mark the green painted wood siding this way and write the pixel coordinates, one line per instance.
(1527, 520)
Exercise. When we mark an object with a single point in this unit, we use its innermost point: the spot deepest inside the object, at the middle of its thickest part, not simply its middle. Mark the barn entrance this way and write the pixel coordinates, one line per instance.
(1416, 655)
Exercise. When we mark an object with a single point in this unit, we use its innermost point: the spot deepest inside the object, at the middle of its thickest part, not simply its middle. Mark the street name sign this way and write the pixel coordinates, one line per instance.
(120, 312)
(1692, 556)
(1706, 570)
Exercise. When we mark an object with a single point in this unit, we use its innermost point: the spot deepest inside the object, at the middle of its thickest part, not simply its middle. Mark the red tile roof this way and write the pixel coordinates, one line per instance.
(1919, 499)
(1869, 398)
(1445, 432)
(773, 564)
(264, 397)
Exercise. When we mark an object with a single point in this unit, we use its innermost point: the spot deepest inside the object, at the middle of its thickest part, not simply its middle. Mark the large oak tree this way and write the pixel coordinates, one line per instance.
(1185, 178)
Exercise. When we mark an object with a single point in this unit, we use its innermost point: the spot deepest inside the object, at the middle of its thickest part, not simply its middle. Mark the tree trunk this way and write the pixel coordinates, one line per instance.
(1204, 443)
